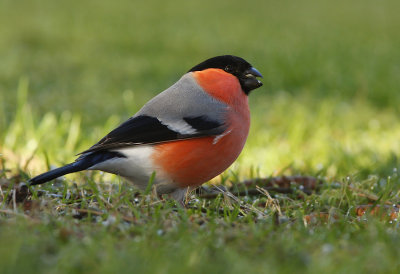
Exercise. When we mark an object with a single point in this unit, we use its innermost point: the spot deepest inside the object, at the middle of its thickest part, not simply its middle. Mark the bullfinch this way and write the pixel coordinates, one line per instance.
(186, 135)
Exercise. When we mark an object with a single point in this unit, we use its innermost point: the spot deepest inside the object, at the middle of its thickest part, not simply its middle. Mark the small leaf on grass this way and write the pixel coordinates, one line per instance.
(383, 211)
(318, 217)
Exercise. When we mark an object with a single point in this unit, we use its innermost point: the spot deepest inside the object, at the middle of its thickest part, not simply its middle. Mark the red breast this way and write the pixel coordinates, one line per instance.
(195, 161)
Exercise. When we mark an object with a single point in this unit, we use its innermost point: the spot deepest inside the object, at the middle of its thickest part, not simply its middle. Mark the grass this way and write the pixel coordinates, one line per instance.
(71, 71)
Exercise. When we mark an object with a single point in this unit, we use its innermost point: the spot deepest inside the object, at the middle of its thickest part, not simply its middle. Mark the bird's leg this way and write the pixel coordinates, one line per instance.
(180, 195)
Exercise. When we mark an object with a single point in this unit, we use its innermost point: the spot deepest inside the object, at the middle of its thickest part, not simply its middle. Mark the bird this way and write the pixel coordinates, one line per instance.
(183, 137)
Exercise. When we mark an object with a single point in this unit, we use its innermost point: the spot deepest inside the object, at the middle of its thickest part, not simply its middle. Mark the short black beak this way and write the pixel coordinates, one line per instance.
(249, 80)
(254, 72)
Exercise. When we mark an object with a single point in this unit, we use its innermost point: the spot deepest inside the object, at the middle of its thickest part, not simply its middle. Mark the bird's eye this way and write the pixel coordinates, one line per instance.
(228, 68)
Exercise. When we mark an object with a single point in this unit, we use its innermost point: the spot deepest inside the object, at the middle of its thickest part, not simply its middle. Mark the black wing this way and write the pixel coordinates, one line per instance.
(145, 129)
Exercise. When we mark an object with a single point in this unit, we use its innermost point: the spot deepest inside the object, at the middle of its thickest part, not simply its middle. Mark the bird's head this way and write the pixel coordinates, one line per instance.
(240, 68)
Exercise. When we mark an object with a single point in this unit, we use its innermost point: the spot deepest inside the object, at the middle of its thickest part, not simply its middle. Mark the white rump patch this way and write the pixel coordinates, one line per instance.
(137, 164)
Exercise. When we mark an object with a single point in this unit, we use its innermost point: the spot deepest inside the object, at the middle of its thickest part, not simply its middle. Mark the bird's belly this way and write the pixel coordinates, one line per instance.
(194, 161)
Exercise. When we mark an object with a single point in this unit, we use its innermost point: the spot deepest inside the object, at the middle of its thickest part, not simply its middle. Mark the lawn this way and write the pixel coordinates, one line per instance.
(71, 71)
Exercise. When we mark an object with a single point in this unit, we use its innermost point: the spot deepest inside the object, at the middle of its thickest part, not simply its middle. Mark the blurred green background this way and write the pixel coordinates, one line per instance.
(331, 71)
(70, 71)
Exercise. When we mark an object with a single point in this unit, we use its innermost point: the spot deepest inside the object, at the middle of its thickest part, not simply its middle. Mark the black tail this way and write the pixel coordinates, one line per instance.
(82, 163)
(52, 174)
